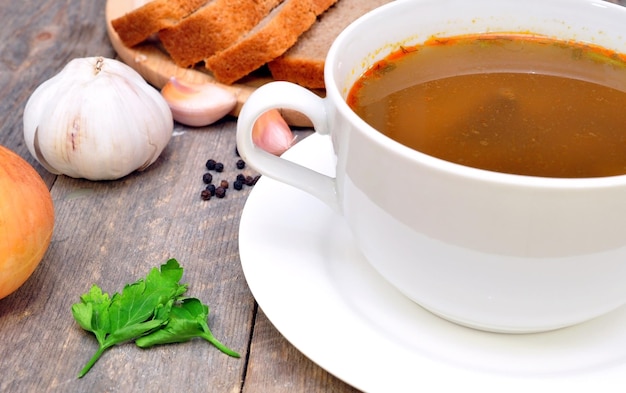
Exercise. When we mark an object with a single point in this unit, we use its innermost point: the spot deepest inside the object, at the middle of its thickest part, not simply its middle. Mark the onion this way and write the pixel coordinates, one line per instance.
(26, 220)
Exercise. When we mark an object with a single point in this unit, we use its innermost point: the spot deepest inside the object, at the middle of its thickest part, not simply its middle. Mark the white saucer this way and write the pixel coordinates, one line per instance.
(315, 287)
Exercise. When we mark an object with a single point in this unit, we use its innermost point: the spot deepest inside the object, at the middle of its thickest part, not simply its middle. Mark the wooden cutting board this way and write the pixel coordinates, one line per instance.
(156, 67)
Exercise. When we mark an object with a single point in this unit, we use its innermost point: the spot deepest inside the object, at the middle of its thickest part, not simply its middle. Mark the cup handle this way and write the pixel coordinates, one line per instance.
(286, 95)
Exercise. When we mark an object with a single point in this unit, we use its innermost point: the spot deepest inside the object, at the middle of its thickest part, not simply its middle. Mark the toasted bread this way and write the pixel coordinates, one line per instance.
(304, 62)
(213, 27)
(272, 37)
(139, 24)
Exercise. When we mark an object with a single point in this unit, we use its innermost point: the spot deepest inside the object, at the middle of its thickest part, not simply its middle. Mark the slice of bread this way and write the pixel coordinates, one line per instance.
(139, 24)
(304, 62)
(213, 27)
(272, 37)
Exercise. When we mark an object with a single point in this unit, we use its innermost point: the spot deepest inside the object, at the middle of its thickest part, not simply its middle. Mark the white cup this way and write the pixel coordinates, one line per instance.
(488, 250)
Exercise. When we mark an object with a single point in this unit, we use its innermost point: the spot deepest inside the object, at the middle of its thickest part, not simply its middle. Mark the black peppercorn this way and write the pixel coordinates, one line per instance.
(205, 195)
(210, 164)
(219, 190)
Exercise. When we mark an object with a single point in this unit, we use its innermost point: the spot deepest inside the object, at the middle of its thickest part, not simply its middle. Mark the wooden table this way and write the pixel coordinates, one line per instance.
(111, 233)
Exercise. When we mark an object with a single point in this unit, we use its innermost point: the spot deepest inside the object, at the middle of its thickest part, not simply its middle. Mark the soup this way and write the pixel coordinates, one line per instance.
(515, 103)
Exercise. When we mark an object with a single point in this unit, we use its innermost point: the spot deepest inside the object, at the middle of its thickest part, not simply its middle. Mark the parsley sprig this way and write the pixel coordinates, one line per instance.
(149, 311)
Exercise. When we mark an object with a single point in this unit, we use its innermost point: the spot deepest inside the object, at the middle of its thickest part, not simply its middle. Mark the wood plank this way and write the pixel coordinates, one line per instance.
(275, 362)
(111, 233)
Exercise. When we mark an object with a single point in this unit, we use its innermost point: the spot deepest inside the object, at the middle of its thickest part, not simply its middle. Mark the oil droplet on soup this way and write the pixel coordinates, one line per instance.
(517, 104)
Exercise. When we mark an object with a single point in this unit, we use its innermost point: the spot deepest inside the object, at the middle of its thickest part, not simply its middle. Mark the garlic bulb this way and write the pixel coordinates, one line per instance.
(197, 104)
(97, 119)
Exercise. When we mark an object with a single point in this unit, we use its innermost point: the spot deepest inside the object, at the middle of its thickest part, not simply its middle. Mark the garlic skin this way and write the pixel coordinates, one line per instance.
(197, 105)
(272, 133)
(97, 119)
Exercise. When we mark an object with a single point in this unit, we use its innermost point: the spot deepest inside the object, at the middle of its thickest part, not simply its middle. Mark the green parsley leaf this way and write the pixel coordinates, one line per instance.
(187, 320)
(138, 301)
(131, 313)
(149, 311)
(92, 314)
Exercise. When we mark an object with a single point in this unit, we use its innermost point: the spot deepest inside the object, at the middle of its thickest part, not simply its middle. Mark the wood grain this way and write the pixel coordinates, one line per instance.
(111, 233)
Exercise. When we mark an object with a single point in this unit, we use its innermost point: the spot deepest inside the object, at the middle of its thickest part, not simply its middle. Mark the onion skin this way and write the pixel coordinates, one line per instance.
(26, 220)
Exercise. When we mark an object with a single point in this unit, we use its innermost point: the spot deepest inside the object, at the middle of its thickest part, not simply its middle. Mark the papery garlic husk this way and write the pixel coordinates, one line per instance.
(97, 119)
(272, 133)
(198, 104)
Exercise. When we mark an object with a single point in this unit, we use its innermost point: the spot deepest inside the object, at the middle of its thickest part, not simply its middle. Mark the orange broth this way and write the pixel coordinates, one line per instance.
(513, 103)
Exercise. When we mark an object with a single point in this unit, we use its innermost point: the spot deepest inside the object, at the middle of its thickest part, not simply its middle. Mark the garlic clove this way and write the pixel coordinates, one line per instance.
(272, 133)
(197, 105)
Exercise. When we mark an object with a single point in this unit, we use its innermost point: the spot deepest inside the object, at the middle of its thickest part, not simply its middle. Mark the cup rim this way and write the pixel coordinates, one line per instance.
(334, 94)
